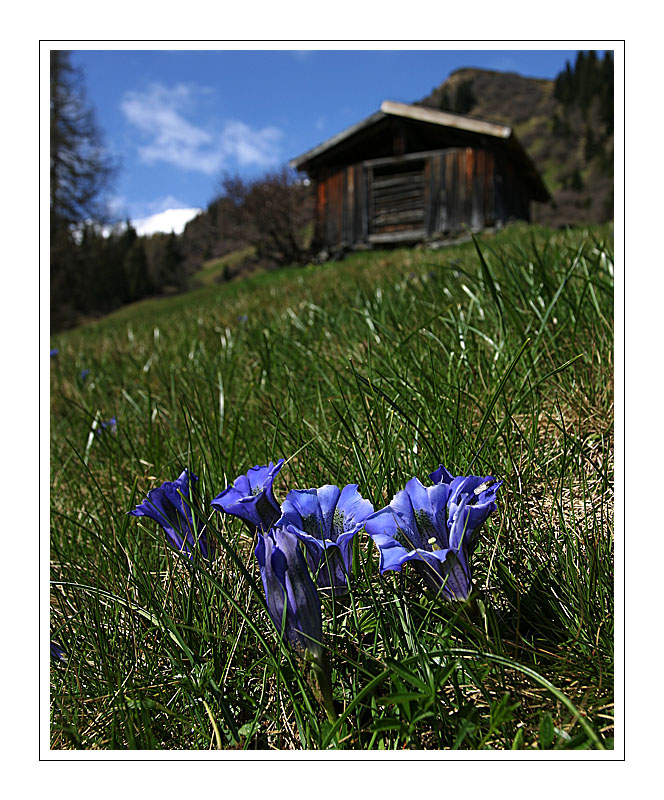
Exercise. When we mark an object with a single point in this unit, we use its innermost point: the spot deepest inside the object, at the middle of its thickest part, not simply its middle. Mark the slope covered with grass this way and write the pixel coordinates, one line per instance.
(369, 371)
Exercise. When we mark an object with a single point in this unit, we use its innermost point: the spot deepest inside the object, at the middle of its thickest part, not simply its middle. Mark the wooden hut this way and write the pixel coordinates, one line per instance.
(409, 173)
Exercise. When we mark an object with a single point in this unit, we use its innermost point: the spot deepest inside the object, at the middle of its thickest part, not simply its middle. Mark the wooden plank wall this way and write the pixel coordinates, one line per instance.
(341, 207)
(335, 207)
(398, 200)
(320, 211)
(462, 188)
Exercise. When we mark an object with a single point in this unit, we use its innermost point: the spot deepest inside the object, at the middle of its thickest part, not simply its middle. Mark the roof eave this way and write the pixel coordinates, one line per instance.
(446, 119)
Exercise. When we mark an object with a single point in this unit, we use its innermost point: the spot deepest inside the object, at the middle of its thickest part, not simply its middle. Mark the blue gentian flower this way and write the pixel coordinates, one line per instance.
(166, 506)
(326, 521)
(110, 425)
(435, 527)
(292, 599)
(250, 497)
(54, 352)
(57, 652)
(84, 374)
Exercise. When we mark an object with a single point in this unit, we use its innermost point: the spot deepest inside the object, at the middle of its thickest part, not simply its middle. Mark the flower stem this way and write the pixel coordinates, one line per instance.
(322, 686)
(326, 693)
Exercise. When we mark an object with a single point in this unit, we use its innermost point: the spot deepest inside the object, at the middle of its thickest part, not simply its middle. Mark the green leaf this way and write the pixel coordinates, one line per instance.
(387, 724)
(403, 697)
(547, 731)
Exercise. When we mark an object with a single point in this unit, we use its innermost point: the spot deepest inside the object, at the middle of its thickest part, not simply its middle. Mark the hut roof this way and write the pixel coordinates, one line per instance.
(474, 129)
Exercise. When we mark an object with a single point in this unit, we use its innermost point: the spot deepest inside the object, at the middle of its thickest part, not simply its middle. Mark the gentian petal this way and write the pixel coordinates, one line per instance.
(468, 485)
(260, 479)
(384, 528)
(326, 520)
(441, 475)
(430, 512)
(250, 497)
(351, 513)
(468, 519)
(302, 509)
(393, 556)
(302, 594)
(418, 495)
(447, 572)
(402, 510)
(275, 594)
(327, 500)
(354, 507)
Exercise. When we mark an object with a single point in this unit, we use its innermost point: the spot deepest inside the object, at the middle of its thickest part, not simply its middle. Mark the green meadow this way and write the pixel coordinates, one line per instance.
(491, 357)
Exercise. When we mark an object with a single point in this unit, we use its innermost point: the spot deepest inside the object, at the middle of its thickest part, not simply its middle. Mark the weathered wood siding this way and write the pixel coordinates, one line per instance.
(418, 196)
(462, 191)
(398, 198)
(341, 207)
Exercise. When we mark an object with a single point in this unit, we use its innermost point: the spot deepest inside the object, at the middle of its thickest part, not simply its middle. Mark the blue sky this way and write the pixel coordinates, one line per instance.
(176, 119)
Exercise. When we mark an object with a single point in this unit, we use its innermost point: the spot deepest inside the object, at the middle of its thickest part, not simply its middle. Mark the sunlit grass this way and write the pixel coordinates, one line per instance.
(368, 371)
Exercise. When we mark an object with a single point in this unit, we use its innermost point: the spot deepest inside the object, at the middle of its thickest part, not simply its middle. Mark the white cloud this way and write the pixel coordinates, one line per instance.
(160, 114)
(247, 146)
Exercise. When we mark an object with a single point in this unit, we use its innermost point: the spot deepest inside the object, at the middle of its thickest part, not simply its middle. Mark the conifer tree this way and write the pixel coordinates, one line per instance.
(80, 172)
(464, 100)
(135, 267)
(81, 169)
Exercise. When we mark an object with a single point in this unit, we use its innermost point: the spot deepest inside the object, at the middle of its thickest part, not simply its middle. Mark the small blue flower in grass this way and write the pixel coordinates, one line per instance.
(57, 652)
(326, 520)
(169, 505)
(54, 352)
(290, 594)
(84, 374)
(250, 497)
(435, 527)
(107, 426)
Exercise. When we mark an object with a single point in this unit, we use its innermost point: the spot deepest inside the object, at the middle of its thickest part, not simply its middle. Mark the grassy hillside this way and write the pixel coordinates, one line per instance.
(369, 371)
(218, 270)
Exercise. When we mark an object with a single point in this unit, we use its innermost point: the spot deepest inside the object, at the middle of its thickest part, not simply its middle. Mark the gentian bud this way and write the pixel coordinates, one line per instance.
(290, 594)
